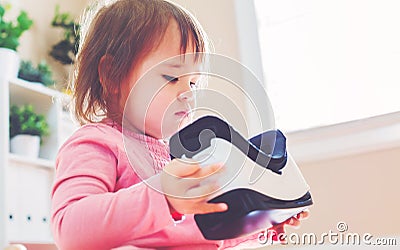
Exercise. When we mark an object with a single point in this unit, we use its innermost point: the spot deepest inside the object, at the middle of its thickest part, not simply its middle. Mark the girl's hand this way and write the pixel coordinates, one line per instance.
(279, 229)
(185, 190)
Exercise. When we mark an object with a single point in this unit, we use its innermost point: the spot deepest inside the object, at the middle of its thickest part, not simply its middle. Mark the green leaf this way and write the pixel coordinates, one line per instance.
(10, 31)
(23, 120)
(42, 73)
(9, 42)
(65, 50)
(24, 21)
(2, 11)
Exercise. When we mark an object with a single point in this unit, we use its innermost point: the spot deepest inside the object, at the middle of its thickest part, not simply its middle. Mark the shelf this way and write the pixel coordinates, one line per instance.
(48, 243)
(38, 162)
(35, 86)
(22, 91)
(26, 183)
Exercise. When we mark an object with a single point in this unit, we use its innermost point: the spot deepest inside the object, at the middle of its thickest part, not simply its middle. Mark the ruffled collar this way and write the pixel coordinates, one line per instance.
(141, 137)
(158, 149)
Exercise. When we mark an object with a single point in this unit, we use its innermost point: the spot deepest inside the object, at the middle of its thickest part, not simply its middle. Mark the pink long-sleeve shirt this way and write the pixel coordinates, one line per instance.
(100, 201)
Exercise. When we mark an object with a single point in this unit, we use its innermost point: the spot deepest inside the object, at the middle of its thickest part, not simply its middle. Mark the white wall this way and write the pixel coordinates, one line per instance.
(361, 190)
(337, 60)
(218, 21)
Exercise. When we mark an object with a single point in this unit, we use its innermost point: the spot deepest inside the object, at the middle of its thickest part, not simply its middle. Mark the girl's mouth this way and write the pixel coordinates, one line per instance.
(182, 113)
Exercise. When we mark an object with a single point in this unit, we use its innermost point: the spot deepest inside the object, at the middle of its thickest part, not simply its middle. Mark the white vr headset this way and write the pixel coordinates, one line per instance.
(261, 184)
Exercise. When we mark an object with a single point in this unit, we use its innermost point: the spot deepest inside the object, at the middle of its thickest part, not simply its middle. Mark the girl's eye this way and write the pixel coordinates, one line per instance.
(193, 85)
(171, 78)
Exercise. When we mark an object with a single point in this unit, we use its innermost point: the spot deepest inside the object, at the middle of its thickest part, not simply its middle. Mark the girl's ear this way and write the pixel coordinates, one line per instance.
(104, 68)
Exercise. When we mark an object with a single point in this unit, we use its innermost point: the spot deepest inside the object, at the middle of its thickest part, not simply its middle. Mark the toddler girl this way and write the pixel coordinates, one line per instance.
(108, 183)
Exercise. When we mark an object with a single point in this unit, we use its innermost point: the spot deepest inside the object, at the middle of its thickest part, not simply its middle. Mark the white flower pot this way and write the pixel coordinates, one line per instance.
(9, 63)
(26, 145)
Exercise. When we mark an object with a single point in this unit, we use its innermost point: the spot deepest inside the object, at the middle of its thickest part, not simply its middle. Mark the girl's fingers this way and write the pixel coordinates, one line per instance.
(201, 191)
(279, 228)
(205, 208)
(200, 178)
(207, 171)
(191, 169)
(303, 215)
(293, 222)
(279, 232)
(180, 169)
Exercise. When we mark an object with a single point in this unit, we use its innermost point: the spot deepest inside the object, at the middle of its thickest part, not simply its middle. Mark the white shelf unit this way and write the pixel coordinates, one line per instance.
(26, 182)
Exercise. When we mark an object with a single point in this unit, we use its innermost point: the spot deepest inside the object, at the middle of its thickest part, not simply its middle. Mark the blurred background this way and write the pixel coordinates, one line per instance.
(330, 68)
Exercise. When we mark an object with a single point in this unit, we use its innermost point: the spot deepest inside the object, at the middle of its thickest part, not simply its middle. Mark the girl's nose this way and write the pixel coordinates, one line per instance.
(185, 92)
(186, 96)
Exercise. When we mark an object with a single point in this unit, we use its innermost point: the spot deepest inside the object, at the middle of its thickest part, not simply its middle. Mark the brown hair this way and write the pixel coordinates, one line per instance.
(126, 30)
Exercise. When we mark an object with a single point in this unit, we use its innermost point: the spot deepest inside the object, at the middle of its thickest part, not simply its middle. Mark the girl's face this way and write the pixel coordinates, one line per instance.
(158, 97)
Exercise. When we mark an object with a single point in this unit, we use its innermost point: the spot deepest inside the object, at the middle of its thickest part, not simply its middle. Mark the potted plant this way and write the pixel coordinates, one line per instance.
(66, 49)
(41, 73)
(27, 129)
(10, 32)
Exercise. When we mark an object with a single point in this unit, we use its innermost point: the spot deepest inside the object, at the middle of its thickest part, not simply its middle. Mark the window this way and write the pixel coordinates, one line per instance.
(330, 61)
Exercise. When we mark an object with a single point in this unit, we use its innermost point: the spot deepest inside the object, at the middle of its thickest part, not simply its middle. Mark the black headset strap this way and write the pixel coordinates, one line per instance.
(197, 136)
